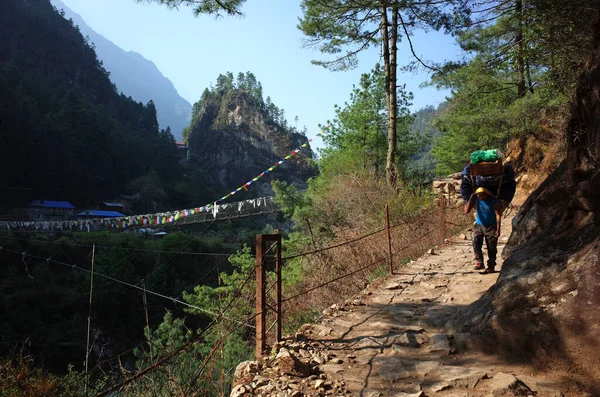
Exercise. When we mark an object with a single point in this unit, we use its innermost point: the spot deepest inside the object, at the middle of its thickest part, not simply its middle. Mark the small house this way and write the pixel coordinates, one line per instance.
(49, 210)
(126, 202)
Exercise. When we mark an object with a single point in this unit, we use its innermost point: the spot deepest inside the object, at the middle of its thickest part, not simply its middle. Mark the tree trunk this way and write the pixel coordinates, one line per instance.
(389, 67)
(520, 45)
(529, 81)
(385, 39)
(391, 171)
(527, 64)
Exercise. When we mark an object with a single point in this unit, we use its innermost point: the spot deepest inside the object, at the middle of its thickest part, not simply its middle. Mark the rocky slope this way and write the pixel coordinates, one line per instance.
(234, 141)
(544, 306)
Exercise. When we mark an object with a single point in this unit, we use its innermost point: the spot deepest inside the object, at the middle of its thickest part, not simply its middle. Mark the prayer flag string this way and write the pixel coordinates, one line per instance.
(147, 220)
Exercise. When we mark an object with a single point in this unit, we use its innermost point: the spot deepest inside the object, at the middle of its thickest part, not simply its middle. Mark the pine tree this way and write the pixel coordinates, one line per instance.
(347, 27)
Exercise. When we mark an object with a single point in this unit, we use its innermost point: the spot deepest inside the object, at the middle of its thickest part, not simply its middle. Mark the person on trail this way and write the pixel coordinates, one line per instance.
(488, 220)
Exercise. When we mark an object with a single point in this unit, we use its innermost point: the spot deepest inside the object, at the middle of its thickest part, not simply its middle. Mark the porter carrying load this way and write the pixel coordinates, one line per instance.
(487, 170)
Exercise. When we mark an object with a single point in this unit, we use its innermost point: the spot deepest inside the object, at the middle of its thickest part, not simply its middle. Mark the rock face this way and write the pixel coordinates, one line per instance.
(545, 304)
(235, 141)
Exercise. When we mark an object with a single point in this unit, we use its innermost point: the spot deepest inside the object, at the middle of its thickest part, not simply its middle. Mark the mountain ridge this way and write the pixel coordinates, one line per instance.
(125, 69)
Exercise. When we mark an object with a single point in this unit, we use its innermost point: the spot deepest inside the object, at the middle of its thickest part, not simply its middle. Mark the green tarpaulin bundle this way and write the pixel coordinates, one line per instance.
(484, 155)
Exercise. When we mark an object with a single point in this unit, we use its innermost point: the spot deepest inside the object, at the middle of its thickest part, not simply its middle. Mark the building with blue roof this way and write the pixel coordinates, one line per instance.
(99, 214)
(49, 210)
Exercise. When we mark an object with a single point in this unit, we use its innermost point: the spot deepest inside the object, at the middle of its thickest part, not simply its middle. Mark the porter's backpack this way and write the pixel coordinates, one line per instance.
(487, 170)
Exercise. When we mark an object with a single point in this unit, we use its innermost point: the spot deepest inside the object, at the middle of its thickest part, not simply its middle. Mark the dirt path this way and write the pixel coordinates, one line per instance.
(395, 344)
(391, 341)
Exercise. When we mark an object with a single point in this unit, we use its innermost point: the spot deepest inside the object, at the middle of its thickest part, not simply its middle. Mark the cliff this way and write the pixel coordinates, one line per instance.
(234, 140)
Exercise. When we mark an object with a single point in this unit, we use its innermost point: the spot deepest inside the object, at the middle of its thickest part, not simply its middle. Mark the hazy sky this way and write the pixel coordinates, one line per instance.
(193, 51)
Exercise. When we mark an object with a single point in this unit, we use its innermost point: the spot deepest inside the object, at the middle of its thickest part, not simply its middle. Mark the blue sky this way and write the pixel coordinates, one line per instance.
(193, 51)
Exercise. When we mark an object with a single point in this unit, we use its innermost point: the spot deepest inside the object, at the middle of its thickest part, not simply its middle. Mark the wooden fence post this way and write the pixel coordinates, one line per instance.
(260, 299)
(389, 236)
(89, 319)
(261, 291)
(278, 291)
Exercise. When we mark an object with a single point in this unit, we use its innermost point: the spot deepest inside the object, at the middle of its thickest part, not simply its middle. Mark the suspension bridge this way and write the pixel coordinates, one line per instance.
(216, 212)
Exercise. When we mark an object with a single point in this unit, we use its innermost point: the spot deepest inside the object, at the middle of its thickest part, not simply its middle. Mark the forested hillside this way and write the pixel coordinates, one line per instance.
(516, 79)
(423, 164)
(136, 76)
(65, 132)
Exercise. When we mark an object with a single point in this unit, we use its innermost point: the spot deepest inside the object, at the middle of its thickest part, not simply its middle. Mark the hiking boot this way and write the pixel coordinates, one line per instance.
(488, 271)
(479, 266)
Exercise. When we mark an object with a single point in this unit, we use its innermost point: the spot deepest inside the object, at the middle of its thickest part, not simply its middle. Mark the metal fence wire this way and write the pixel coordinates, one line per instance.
(345, 267)
(332, 273)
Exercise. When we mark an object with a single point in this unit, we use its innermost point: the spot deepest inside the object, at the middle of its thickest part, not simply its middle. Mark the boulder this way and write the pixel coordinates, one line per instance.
(244, 372)
(290, 365)
(503, 384)
(439, 343)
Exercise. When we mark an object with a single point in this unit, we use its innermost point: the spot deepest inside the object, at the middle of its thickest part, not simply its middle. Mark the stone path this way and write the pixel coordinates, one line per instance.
(391, 341)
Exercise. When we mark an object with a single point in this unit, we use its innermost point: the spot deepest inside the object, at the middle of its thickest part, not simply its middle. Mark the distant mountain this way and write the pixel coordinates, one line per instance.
(137, 77)
(65, 132)
(422, 166)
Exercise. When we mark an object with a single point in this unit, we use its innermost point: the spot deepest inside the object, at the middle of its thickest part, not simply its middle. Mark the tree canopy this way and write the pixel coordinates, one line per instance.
(523, 59)
(359, 129)
(343, 28)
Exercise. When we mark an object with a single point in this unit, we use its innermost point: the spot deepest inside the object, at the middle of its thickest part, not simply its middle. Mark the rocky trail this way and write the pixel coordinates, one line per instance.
(392, 340)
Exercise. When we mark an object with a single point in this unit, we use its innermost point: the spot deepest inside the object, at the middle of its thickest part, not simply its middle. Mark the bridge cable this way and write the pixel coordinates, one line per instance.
(174, 300)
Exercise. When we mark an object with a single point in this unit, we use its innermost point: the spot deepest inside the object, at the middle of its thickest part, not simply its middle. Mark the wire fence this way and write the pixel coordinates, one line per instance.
(337, 271)
(181, 377)
(109, 370)
(334, 272)
(341, 270)
(187, 369)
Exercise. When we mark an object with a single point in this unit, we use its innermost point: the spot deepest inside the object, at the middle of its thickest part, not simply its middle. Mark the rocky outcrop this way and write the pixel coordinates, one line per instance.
(234, 141)
(293, 371)
(545, 304)
(449, 187)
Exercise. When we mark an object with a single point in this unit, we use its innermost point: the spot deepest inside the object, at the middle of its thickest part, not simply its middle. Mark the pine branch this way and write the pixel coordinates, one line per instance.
(412, 50)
